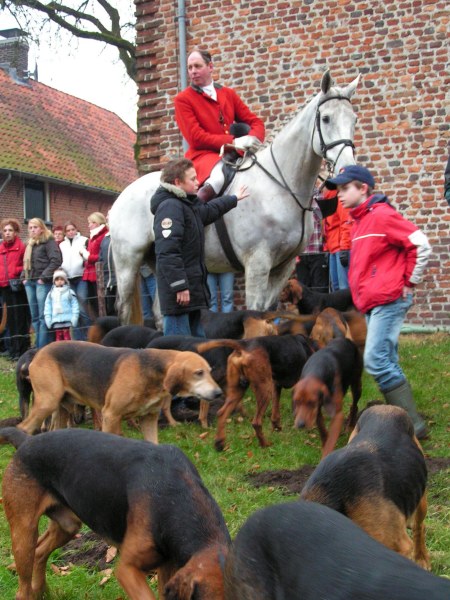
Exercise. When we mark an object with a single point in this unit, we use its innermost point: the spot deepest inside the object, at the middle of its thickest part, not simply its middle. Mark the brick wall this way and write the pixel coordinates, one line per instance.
(273, 52)
(65, 203)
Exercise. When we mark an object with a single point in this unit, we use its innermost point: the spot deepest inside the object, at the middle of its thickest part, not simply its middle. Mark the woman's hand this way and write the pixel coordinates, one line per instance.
(242, 192)
(183, 298)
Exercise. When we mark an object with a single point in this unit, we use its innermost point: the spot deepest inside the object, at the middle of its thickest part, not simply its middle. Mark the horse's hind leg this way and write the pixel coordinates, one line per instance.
(257, 289)
(127, 288)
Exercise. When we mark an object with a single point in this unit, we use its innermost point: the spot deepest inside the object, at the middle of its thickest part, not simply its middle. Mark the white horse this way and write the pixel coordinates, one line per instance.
(267, 229)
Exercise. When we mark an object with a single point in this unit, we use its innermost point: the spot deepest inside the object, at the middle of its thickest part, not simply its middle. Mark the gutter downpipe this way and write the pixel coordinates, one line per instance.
(5, 183)
(182, 50)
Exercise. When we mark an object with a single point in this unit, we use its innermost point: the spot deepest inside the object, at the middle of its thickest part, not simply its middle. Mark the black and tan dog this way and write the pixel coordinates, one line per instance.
(119, 382)
(130, 336)
(305, 551)
(324, 381)
(378, 480)
(309, 301)
(147, 500)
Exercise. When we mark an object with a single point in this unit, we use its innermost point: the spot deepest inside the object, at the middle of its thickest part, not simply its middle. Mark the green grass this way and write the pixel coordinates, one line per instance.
(425, 361)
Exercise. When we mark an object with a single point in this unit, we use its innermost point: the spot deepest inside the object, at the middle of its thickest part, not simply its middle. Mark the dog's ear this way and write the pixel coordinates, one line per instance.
(328, 404)
(173, 381)
(180, 588)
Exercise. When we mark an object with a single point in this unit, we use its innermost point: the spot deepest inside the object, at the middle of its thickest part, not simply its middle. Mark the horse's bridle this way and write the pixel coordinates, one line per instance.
(324, 147)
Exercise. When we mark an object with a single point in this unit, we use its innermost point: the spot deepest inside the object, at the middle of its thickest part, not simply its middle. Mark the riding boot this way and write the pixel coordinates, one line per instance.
(206, 193)
(402, 396)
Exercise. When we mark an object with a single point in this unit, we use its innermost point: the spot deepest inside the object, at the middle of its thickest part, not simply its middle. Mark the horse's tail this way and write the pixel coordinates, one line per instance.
(12, 435)
(4, 318)
(204, 346)
(136, 317)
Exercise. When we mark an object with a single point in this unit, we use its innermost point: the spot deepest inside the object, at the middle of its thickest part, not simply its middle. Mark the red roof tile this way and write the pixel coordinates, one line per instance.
(51, 134)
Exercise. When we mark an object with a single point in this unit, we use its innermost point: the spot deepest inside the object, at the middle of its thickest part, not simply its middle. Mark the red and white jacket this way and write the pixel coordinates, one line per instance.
(388, 252)
(205, 124)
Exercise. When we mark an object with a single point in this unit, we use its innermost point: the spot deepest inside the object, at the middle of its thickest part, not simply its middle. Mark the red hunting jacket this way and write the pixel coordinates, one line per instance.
(388, 252)
(205, 124)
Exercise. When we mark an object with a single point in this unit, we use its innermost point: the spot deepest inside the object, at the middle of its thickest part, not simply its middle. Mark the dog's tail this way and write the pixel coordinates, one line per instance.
(204, 346)
(12, 435)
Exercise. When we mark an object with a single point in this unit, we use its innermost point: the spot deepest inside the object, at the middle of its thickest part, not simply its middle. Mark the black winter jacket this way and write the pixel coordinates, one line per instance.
(180, 245)
(46, 257)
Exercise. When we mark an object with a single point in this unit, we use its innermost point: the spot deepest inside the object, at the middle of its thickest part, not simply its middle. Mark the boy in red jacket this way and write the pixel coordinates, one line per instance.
(389, 255)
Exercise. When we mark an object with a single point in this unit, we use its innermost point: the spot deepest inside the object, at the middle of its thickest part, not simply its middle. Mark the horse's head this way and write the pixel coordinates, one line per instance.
(335, 123)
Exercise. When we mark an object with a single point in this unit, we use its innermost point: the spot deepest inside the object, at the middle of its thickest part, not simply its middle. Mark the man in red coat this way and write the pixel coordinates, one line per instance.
(204, 112)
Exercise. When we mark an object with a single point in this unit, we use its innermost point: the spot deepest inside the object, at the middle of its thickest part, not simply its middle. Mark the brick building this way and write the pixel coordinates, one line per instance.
(273, 52)
(61, 157)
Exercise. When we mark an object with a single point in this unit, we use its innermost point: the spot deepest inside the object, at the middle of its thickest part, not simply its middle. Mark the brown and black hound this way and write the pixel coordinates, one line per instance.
(324, 381)
(378, 480)
(147, 500)
(119, 382)
(303, 550)
(266, 364)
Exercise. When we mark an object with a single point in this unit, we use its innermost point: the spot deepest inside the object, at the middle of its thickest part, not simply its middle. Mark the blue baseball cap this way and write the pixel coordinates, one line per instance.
(352, 173)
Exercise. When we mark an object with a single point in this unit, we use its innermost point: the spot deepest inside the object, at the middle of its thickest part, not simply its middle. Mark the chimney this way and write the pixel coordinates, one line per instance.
(14, 50)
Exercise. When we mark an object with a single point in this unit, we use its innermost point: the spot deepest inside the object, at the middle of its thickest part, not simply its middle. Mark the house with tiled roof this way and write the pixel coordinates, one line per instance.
(61, 157)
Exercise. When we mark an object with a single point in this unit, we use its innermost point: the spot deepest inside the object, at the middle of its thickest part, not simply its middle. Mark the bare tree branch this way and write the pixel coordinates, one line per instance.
(82, 22)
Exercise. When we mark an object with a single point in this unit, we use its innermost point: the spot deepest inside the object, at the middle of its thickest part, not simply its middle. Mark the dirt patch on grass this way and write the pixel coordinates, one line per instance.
(86, 550)
(292, 482)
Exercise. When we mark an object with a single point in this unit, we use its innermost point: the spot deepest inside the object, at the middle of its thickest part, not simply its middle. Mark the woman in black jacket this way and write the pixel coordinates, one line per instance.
(42, 258)
(179, 223)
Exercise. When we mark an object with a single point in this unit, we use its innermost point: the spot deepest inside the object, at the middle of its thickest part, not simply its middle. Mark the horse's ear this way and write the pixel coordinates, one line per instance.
(350, 89)
(326, 82)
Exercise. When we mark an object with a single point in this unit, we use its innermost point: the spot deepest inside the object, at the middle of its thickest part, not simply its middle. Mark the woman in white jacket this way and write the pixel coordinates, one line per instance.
(73, 264)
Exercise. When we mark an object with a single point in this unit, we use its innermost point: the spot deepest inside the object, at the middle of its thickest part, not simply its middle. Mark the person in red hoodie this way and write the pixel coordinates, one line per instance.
(87, 291)
(206, 114)
(13, 294)
(389, 256)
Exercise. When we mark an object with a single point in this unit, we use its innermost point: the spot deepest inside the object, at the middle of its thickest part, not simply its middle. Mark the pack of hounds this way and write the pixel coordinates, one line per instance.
(344, 538)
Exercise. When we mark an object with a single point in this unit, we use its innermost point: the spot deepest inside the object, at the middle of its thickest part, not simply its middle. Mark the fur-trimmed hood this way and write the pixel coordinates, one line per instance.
(167, 190)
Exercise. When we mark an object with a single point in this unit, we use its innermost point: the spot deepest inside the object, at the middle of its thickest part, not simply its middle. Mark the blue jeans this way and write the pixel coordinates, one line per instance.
(186, 324)
(338, 273)
(80, 288)
(381, 351)
(148, 293)
(224, 282)
(36, 295)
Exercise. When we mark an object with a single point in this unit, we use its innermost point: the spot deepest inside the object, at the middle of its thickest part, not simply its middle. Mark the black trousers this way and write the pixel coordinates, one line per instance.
(19, 320)
(312, 271)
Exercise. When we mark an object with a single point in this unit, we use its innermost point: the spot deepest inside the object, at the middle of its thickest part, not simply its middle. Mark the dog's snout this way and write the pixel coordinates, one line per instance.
(299, 424)
(217, 393)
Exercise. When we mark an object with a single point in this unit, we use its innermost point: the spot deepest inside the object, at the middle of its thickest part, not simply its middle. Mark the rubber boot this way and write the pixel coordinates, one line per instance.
(402, 396)
(206, 193)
